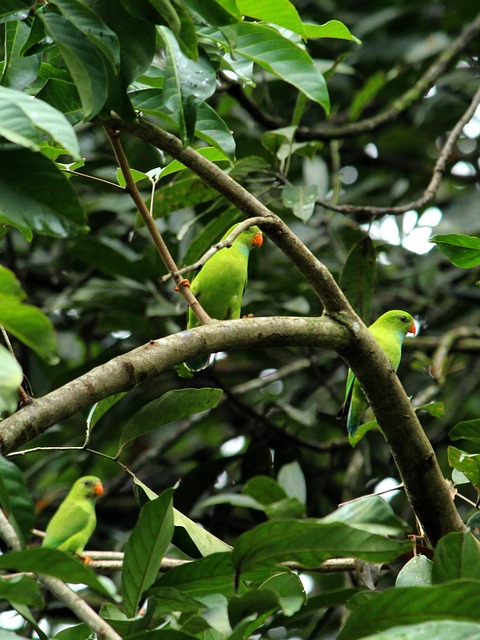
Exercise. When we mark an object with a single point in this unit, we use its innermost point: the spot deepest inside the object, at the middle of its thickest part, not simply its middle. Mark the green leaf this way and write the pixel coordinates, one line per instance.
(23, 590)
(11, 376)
(467, 429)
(457, 556)
(145, 550)
(173, 405)
(36, 197)
(331, 29)
(289, 589)
(192, 533)
(77, 632)
(215, 12)
(268, 48)
(359, 275)
(371, 513)
(209, 575)
(32, 327)
(292, 481)
(10, 285)
(214, 155)
(18, 71)
(435, 409)
(24, 120)
(99, 409)
(310, 543)
(93, 27)
(86, 64)
(301, 200)
(264, 490)
(16, 500)
(212, 129)
(14, 10)
(187, 84)
(413, 605)
(52, 562)
(280, 12)
(463, 251)
(252, 606)
(467, 463)
(416, 573)
(440, 630)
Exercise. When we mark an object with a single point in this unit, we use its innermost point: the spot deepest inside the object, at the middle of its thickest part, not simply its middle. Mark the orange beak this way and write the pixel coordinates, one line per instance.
(412, 328)
(98, 489)
(257, 240)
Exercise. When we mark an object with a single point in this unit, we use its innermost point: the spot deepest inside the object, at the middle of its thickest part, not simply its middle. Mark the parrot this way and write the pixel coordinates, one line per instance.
(74, 521)
(220, 284)
(389, 331)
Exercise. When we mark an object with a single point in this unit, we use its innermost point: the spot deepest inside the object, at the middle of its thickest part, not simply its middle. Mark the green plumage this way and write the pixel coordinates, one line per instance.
(389, 331)
(74, 521)
(220, 284)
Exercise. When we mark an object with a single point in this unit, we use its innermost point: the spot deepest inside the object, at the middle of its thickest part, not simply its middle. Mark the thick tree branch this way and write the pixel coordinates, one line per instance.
(413, 454)
(130, 369)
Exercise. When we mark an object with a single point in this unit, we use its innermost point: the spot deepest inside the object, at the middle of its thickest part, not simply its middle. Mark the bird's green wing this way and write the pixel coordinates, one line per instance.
(71, 526)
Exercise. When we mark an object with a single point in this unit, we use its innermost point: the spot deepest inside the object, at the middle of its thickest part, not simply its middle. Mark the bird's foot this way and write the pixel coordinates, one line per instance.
(183, 283)
(249, 315)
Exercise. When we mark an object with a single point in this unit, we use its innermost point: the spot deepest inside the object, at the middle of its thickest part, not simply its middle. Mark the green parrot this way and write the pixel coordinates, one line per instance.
(220, 284)
(74, 521)
(389, 331)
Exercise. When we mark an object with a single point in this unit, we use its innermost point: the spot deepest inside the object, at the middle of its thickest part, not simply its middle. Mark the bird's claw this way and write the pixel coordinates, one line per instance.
(183, 283)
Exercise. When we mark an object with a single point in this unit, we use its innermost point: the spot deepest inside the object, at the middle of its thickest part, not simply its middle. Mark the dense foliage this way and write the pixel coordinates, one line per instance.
(357, 124)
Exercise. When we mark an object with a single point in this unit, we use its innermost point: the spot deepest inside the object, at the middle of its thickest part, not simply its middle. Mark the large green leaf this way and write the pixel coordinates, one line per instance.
(16, 500)
(310, 543)
(21, 589)
(145, 549)
(173, 405)
(86, 64)
(457, 556)
(52, 562)
(25, 120)
(455, 601)
(209, 575)
(440, 630)
(416, 573)
(280, 12)
(331, 29)
(265, 46)
(93, 27)
(187, 84)
(462, 250)
(18, 72)
(36, 197)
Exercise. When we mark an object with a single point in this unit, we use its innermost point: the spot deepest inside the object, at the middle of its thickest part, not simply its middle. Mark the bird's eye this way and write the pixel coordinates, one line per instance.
(403, 318)
(86, 483)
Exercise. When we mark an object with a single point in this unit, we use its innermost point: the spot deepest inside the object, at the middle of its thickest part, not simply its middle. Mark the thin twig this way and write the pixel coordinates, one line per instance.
(242, 226)
(85, 175)
(131, 187)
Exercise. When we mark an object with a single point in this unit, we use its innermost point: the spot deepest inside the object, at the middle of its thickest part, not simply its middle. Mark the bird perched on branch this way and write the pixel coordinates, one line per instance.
(220, 284)
(74, 521)
(389, 331)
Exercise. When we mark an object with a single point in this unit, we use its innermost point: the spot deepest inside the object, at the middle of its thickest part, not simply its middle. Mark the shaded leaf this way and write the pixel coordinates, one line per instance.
(281, 12)
(310, 543)
(16, 500)
(467, 429)
(173, 405)
(35, 197)
(467, 463)
(145, 549)
(371, 513)
(11, 376)
(359, 276)
(52, 562)
(301, 200)
(413, 605)
(23, 590)
(331, 29)
(457, 556)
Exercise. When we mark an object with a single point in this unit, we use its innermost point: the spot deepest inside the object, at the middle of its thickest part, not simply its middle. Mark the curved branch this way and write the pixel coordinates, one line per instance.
(437, 174)
(424, 483)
